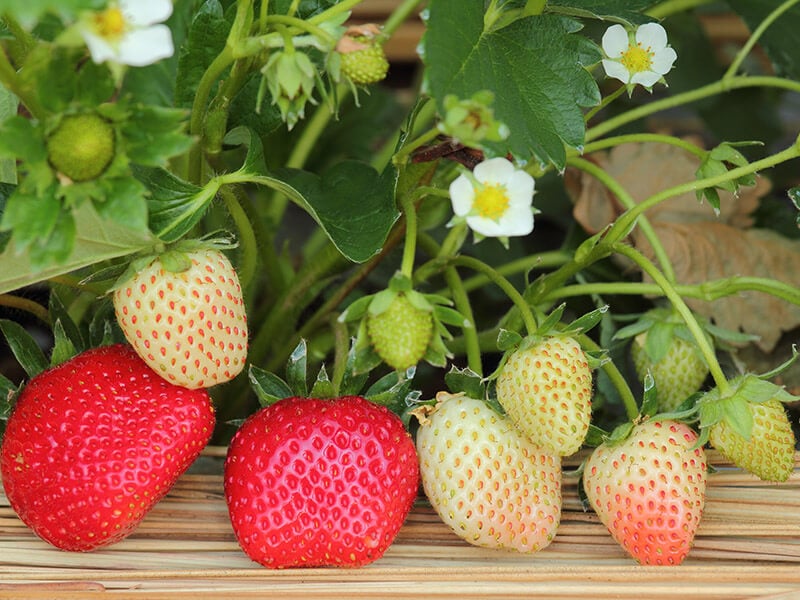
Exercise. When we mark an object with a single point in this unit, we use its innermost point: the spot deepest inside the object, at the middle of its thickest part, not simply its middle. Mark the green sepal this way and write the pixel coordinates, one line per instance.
(323, 386)
(649, 396)
(393, 391)
(297, 369)
(352, 382)
(356, 310)
(658, 339)
(508, 340)
(595, 436)
(619, 434)
(269, 388)
(24, 348)
(381, 301)
(550, 322)
(63, 348)
(465, 381)
(783, 366)
(450, 316)
(8, 394)
(585, 322)
(597, 358)
(58, 313)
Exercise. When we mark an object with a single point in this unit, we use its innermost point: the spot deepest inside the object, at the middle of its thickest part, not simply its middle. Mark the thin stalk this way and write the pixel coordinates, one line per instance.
(629, 203)
(755, 36)
(604, 102)
(410, 244)
(671, 7)
(472, 347)
(504, 284)
(706, 91)
(304, 25)
(29, 306)
(247, 237)
(640, 138)
(336, 9)
(615, 376)
(423, 139)
(399, 16)
(545, 260)
(685, 312)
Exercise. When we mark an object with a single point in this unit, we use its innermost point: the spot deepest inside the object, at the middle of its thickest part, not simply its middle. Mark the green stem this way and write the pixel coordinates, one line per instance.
(214, 71)
(472, 347)
(303, 25)
(755, 36)
(628, 218)
(707, 291)
(671, 7)
(706, 91)
(399, 16)
(10, 80)
(545, 260)
(504, 284)
(247, 237)
(640, 138)
(30, 306)
(680, 306)
(410, 244)
(629, 203)
(336, 9)
(615, 376)
(406, 150)
(604, 102)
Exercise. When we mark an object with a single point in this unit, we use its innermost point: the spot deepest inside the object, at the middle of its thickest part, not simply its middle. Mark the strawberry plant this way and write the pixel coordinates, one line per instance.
(506, 233)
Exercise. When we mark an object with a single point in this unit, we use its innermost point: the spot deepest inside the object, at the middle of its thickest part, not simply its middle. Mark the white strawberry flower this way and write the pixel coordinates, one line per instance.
(642, 57)
(129, 32)
(495, 199)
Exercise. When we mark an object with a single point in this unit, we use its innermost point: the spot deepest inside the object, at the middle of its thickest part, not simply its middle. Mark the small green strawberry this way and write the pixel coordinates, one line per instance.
(545, 387)
(663, 346)
(401, 332)
(361, 56)
(485, 479)
(648, 488)
(401, 326)
(81, 147)
(184, 315)
(750, 426)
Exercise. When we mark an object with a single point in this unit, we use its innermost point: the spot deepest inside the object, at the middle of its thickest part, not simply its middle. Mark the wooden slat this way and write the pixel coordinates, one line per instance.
(748, 546)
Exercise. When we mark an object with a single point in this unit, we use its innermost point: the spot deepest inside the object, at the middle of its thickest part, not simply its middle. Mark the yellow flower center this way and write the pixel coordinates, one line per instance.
(491, 202)
(637, 59)
(110, 23)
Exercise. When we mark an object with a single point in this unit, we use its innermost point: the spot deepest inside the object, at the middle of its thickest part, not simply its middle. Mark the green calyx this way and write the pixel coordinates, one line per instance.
(81, 147)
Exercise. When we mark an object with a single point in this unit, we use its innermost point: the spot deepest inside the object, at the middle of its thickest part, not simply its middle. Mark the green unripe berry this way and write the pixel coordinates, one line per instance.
(365, 66)
(81, 147)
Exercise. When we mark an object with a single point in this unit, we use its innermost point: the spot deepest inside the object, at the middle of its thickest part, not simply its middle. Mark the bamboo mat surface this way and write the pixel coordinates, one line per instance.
(748, 546)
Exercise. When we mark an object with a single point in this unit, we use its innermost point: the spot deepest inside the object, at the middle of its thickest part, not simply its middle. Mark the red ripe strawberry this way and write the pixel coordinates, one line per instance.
(485, 479)
(313, 482)
(649, 490)
(188, 325)
(95, 442)
(546, 389)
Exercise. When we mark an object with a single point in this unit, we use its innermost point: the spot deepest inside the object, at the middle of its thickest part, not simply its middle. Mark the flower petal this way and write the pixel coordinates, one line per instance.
(646, 78)
(462, 195)
(517, 221)
(662, 61)
(145, 46)
(99, 48)
(141, 13)
(494, 170)
(485, 226)
(616, 70)
(651, 35)
(615, 41)
(519, 189)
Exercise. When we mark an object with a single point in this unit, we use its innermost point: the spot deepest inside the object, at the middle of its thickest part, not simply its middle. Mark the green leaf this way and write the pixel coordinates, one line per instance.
(174, 205)
(269, 388)
(124, 202)
(296, 369)
(31, 217)
(781, 40)
(96, 240)
(24, 347)
(351, 201)
(206, 39)
(28, 11)
(20, 138)
(541, 102)
(628, 12)
(8, 108)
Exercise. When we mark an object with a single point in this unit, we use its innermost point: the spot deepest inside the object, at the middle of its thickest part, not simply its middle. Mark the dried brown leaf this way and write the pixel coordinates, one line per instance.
(701, 246)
